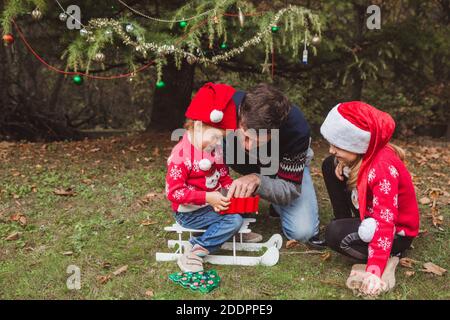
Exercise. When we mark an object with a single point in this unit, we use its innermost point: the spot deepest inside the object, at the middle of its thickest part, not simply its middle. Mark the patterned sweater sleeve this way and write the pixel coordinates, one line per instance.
(383, 181)
(176, 189)
(225, 180)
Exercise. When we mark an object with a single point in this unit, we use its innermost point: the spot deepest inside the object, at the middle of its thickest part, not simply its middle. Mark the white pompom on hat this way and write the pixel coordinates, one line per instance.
(216, 116)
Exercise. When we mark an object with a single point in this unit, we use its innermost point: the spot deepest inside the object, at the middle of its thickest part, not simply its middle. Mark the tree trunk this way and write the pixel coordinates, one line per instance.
(170, 102)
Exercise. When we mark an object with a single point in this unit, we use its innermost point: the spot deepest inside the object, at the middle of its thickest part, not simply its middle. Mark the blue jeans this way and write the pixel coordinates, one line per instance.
(300, 218)
(219, 227)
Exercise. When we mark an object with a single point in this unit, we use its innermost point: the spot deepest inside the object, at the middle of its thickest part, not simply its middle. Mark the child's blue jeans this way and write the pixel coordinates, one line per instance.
(219, 227)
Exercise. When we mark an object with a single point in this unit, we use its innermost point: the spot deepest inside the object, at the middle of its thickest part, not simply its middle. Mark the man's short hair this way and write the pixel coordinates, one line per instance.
(264, 107)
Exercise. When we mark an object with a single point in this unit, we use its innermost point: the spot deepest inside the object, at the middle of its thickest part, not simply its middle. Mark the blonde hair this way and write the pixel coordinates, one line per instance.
(356, 165)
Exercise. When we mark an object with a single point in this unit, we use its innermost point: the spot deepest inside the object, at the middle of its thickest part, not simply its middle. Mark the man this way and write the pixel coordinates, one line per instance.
(289, 189)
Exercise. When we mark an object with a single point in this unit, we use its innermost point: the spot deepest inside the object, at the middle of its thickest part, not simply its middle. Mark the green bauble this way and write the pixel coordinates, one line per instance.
(160, 84)
(78, 80)
(275, 29)
(223, 46)
(183, 24)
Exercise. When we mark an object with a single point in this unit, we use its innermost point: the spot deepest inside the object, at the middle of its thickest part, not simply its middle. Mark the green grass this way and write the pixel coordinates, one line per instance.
(101, 225)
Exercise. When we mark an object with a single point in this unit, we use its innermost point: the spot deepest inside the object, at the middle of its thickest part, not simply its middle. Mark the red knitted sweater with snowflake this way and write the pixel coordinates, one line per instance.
(187, 180)
(391, 201)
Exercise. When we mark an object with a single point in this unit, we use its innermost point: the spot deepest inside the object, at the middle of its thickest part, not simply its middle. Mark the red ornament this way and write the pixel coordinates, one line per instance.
(8, 38)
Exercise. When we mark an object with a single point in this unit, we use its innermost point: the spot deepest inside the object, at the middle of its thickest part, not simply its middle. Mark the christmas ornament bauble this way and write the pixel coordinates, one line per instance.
(36, 14)
(183, 24)
(241, 18)
(191, 60)
(160, 84)
(78, 80)
(129, 28)
(315, 39)
(8, 38)
(84, 32)
(99, 57)
(223, 46)
(63, 16)
(305, 56)
(275, 29)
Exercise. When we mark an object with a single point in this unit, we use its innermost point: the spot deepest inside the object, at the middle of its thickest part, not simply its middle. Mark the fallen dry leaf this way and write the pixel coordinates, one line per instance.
(433, 268)
(409, 273)
(120, 270)
(69, 192)
(67, 253)
(149, 293)
(19, 217)
(407, 262)
(104, 279)
(13, 236)
(325, 256)
(147, 222)
(425, 200)
(292, 244)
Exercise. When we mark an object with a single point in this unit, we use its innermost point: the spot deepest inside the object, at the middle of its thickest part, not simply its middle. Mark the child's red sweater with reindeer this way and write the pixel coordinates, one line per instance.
(391, 201)
(191, 173)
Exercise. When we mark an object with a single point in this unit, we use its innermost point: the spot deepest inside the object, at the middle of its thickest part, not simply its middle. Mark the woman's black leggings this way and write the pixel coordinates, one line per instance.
(342, 233)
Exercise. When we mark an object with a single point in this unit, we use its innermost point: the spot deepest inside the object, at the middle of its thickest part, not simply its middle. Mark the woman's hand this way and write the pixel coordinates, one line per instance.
(372, 284)
(340, 171)
(218, 201)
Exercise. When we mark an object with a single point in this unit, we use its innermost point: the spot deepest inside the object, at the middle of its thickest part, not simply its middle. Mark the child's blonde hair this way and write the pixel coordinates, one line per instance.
(354, 168)
(189, 125)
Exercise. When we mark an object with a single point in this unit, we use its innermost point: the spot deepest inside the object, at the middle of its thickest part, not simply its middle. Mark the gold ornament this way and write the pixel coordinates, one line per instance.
(99, 57)
(36, 14)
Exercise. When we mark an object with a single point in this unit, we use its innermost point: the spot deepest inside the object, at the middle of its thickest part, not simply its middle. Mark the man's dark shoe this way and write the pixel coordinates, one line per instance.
(273, 213)
(317, 243)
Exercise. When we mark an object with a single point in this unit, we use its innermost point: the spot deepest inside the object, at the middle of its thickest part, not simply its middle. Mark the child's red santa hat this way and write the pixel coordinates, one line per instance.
(213, 105)
(359, 128)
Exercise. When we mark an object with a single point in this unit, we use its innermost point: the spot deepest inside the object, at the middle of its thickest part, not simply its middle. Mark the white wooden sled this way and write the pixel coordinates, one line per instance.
(269, 258)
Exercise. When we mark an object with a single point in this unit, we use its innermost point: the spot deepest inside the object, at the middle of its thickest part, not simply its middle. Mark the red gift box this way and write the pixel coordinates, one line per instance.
(243, 205)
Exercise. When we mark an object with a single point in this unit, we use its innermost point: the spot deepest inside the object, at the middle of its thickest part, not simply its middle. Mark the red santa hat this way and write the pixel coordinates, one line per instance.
(360, 128)
(213, 105)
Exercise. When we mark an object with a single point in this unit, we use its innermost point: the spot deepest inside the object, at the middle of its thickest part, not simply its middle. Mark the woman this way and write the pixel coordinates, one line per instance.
(371, 192)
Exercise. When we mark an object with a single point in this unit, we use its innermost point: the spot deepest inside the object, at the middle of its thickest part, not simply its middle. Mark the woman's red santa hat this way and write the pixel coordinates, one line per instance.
(359, 128)
(213, 105)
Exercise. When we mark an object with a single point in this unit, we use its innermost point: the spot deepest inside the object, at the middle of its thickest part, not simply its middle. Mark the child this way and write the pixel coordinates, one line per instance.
(366, 176)
(196, 174)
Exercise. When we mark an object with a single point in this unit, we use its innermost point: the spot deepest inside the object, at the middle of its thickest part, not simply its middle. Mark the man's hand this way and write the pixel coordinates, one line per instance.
(218, 201)
(244, 187)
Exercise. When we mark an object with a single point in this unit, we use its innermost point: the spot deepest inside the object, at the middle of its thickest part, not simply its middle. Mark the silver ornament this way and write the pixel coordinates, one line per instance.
(63, 16)
(129, 28)
(36, 14)
(84, 32)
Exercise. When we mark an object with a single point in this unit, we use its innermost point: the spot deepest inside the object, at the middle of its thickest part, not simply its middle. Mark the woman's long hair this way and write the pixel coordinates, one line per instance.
(356, 165)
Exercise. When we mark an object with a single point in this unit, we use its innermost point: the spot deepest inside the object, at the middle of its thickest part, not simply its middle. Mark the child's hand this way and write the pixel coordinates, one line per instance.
(218, 201)
(372, 285)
